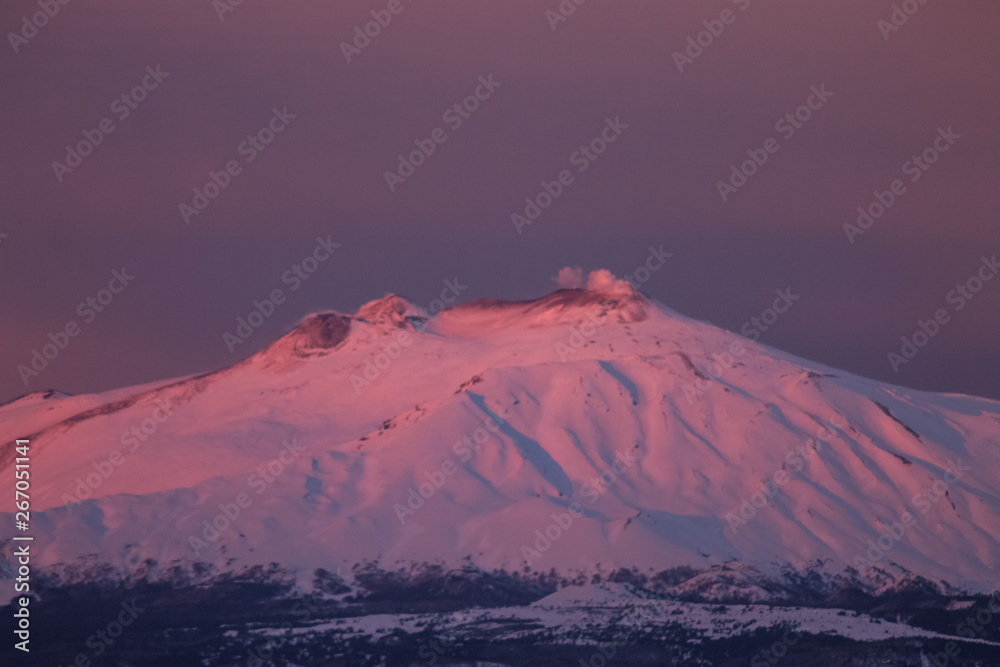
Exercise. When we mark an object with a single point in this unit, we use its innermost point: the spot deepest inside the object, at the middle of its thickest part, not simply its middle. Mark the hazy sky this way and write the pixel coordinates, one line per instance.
(218, 82)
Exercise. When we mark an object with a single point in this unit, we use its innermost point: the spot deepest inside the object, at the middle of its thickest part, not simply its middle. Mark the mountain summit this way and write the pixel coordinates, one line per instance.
(588, 429)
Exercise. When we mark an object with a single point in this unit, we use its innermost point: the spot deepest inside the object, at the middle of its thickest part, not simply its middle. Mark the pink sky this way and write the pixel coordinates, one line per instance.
(656, 185)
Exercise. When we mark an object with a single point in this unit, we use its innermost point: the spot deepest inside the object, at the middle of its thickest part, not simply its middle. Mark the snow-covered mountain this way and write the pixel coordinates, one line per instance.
(589, 429)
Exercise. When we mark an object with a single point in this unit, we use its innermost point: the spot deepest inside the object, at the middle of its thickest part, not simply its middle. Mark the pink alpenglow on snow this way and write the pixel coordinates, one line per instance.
(554, 423)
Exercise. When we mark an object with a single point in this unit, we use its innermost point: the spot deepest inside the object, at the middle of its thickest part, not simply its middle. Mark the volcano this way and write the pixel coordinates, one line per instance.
(588, 430)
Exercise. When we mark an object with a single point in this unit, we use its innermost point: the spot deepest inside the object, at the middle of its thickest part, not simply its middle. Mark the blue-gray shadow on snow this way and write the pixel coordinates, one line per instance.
(530, 449)
(623, 379)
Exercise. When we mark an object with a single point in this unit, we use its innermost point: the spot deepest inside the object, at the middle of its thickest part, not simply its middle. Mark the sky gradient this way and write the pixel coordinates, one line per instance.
(655, 186)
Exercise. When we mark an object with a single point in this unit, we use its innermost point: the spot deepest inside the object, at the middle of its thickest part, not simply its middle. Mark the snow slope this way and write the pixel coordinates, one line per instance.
(515, 411)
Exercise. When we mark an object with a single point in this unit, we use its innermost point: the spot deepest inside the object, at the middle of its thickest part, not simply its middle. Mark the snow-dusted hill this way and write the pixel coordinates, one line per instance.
(583, 428)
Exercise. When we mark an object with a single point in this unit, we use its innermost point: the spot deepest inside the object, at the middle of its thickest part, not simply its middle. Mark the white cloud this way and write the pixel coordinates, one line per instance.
(601, 279)
(570, 278)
